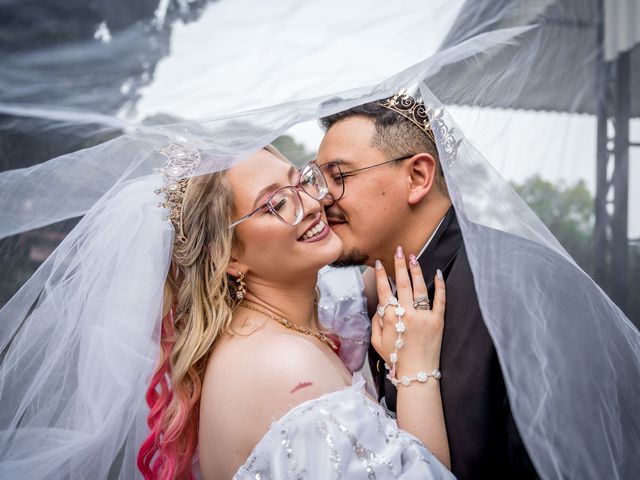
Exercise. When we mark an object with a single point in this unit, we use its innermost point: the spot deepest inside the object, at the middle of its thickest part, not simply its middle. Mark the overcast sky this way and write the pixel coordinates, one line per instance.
(251, 53)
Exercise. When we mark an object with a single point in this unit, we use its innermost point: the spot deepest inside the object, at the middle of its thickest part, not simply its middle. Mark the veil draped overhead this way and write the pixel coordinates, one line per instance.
(79, 341)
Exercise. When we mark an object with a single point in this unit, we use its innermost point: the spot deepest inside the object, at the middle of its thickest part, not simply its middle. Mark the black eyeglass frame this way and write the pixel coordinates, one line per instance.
(355, 171)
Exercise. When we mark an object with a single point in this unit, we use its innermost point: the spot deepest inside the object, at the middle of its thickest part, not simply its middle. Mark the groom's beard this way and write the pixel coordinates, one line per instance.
(351, 258)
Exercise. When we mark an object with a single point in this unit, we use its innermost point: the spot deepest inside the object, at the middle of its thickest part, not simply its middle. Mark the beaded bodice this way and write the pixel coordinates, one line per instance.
(343, 434)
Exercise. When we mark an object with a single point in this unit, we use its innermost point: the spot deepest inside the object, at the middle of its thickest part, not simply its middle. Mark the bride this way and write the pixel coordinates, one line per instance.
(257, 386)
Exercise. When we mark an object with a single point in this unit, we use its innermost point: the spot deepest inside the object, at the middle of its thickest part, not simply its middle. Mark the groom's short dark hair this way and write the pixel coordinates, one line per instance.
(395, 135)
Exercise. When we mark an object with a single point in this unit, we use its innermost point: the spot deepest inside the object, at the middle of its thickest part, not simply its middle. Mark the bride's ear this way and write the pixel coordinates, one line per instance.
(235, 266)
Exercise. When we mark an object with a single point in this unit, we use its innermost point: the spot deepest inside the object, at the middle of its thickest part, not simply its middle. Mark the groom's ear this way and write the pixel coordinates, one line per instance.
(422, 174)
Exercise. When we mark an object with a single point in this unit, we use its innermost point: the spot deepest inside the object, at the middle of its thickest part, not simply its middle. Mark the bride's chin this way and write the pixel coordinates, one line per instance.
(326, 252)
(334, 249)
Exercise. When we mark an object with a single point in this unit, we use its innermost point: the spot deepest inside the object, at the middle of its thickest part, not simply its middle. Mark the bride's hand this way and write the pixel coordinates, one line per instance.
(422, 335)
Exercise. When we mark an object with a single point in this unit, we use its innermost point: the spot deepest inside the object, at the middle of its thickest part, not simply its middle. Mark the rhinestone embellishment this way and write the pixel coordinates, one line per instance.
(429, 120)
(182, 161)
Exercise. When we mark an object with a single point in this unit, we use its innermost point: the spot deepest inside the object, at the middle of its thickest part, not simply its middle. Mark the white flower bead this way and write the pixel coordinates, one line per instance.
(393, 300)
(399, 311)
(399, 343)
(400, 327)
(405, 380)
(380, 310)
(393, 357)
(422, 376)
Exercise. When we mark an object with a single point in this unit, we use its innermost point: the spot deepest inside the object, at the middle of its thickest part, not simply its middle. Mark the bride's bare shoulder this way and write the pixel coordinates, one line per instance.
(253, 380)
(276, 361)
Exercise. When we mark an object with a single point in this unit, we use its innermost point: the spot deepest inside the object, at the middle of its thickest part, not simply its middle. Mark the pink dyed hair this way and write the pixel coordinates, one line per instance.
(168, 451)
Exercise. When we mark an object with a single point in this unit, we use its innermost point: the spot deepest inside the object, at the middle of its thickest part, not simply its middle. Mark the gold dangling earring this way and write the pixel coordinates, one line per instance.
(241, 288)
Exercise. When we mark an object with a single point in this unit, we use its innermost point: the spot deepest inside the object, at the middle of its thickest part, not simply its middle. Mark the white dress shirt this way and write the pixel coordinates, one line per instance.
(391, 280)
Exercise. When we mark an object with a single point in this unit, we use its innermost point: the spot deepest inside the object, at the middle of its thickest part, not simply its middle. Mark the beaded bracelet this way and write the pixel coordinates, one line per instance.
(421, 377)
(400, 327)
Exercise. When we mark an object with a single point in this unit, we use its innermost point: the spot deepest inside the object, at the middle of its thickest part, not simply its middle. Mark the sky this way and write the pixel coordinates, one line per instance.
(246, 54)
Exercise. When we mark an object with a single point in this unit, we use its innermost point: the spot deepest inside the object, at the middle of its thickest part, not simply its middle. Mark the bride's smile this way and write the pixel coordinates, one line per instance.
(317, 231)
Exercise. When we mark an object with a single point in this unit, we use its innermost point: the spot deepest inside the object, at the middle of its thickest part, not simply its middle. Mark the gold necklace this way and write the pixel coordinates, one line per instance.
(292, 326)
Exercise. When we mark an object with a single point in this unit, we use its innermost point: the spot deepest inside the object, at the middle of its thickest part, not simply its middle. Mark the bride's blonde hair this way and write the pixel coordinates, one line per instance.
(199, 299)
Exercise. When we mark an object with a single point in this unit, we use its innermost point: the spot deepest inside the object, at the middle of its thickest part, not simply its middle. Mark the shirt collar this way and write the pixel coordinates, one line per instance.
(430, 238)
(392, 282)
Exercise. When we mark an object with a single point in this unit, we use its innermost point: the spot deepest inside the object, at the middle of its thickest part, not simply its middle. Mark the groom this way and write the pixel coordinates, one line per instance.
(387, 189)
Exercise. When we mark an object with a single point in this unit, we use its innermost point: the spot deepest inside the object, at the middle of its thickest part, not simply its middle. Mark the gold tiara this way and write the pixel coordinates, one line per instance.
(182, 161)
(426, 119)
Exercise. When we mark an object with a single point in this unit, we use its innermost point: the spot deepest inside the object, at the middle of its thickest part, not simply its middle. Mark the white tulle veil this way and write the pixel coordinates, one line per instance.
(79, 341)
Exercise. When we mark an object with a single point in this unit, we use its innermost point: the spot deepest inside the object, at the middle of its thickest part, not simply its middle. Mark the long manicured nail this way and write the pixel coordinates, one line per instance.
(399, 253)
(378, 264)
(413, 260)
(439, 273)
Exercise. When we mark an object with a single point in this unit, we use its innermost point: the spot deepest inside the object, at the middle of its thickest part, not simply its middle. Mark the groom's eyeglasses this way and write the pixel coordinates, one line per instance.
(286, 204)
(334, 175)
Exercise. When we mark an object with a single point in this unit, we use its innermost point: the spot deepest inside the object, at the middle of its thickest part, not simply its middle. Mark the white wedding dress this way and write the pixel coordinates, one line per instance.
(343, 434)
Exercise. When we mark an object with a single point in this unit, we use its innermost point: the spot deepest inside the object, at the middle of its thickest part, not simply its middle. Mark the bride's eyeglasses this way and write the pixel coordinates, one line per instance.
(286, 203)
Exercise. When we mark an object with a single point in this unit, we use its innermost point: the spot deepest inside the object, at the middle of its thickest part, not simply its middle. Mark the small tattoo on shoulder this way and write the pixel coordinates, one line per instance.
(300, 386)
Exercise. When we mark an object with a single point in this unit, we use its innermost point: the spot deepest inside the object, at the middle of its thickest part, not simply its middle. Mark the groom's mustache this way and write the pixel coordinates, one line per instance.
(336, 218)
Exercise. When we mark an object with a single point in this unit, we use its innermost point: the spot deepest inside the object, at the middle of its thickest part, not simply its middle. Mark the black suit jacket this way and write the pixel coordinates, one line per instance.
(483, 439)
